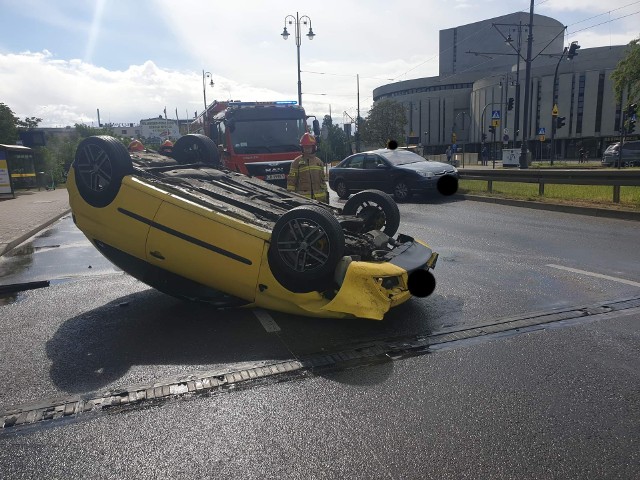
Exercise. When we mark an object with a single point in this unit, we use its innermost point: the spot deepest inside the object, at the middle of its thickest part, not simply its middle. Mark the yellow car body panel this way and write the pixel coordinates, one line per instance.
(109, 225)
(206, 251)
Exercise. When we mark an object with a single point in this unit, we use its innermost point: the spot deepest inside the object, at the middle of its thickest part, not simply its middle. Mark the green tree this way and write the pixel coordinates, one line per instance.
(85, 131)
(28, 123)
(336, 146)
(627, 73)
(385, 121)
(8, 122)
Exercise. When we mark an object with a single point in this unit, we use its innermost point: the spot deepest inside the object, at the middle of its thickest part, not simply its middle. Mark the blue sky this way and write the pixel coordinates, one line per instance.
(62, 60)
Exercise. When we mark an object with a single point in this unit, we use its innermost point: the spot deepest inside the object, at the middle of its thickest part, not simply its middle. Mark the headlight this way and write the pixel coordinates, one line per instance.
(455, 170)
(388, 282)
(426, 174)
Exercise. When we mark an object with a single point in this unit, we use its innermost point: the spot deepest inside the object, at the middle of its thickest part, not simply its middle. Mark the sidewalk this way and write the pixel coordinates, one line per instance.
(28, 213)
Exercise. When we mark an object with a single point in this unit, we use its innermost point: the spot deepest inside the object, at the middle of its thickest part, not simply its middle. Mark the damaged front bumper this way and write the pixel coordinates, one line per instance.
(368, 289)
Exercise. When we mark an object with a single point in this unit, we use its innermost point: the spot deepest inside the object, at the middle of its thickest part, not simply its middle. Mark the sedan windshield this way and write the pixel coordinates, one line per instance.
(401, 157)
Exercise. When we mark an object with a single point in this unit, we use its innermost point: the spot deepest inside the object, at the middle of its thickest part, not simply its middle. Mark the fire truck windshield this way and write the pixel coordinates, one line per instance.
(267, 136)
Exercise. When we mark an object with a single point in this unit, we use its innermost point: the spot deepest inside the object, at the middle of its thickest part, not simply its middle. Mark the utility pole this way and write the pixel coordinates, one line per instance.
(358, 116)
(525, 126)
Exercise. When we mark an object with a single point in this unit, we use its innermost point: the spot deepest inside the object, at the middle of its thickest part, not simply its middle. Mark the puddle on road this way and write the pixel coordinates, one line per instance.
(59, 254)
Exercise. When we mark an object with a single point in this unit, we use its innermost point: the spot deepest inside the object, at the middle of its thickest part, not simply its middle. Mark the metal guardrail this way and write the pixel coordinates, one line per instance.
(616, 178)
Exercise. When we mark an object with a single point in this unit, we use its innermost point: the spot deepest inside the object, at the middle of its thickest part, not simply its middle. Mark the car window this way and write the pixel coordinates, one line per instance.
(356, 161)
(372, 161)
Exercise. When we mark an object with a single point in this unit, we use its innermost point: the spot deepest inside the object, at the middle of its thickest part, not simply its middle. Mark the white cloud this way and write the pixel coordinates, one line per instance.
(68, 92)
(152, 54)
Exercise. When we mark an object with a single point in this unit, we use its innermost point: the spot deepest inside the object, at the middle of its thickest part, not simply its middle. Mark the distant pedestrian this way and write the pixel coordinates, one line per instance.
(449, 152)
(484, 154)
(581, 155)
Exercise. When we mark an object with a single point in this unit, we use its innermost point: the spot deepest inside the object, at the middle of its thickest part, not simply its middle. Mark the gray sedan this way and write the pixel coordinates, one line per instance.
(399, 172)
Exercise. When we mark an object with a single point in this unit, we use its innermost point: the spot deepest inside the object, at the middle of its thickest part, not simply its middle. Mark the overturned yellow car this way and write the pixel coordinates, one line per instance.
(188, 228)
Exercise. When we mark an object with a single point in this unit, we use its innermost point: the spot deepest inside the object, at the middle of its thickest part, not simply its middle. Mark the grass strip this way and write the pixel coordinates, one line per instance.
(594, 195)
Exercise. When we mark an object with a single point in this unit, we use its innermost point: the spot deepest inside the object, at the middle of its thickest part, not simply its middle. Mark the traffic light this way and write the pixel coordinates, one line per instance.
(510, 104)
(631, 117)
(573, 50)
(492, 129)
(484, 136)
(560, 122)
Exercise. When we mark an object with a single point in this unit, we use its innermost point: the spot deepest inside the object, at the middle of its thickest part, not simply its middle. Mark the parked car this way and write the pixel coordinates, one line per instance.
(398, 171)
(630, 154)
(187, 228)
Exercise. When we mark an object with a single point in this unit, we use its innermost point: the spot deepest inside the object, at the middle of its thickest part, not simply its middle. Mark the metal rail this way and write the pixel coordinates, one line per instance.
(616, 179)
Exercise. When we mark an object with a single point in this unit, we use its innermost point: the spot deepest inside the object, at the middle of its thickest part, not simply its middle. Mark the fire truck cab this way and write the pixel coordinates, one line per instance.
(261, 139)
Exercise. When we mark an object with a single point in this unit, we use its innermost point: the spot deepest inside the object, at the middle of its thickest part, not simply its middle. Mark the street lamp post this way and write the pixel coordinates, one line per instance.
(554, 95)
(285, 34)
(205, 75)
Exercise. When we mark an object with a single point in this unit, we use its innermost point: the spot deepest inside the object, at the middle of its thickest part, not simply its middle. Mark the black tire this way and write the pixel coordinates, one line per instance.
(342, 190)
(196, 148)
(378, 210)
(100, 164)
(401, 191)
(314, 233)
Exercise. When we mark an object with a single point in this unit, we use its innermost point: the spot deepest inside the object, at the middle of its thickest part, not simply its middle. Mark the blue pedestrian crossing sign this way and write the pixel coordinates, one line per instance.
(542, 131)
(495, 114)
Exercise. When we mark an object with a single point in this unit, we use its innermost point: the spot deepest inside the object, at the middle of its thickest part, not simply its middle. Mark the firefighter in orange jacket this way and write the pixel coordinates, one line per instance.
(306, 175)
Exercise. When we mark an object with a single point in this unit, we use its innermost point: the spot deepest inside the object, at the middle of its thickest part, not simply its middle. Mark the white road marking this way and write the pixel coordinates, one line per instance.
(266, 320)
(597, 275)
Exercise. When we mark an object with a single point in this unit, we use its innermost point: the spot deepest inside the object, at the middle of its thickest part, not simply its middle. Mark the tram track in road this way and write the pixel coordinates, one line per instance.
(34, 414)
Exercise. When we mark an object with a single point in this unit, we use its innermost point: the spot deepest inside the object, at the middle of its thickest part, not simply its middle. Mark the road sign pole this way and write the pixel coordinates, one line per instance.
(554, 116)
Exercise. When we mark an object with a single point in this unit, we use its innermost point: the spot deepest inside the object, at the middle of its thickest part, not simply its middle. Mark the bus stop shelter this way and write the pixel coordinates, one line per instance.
(17, 169)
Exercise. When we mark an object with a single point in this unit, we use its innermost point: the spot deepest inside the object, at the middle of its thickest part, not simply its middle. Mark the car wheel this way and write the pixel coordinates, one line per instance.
(377, 209)
(100, 164)
(196, 148)
(401, 191)
(341, 190)
(307, 243)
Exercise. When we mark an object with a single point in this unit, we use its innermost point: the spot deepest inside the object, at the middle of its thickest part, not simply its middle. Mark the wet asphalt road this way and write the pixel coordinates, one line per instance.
(96, 328)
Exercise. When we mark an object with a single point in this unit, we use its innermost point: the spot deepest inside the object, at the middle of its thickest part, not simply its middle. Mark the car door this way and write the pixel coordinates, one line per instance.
(375, 172)
(354, 172)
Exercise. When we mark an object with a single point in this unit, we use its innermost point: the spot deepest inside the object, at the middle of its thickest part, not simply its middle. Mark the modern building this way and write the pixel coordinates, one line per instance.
(479, 73)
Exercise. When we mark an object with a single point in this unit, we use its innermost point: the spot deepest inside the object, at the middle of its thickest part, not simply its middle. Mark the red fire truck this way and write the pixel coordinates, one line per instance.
(260, 139)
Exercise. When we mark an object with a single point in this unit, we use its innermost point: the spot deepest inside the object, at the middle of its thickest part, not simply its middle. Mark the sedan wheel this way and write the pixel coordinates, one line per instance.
(341, 190)
(401, 191)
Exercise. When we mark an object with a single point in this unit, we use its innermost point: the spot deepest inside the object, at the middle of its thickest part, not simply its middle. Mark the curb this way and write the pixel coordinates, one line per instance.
(555, 207)
(6, 247)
